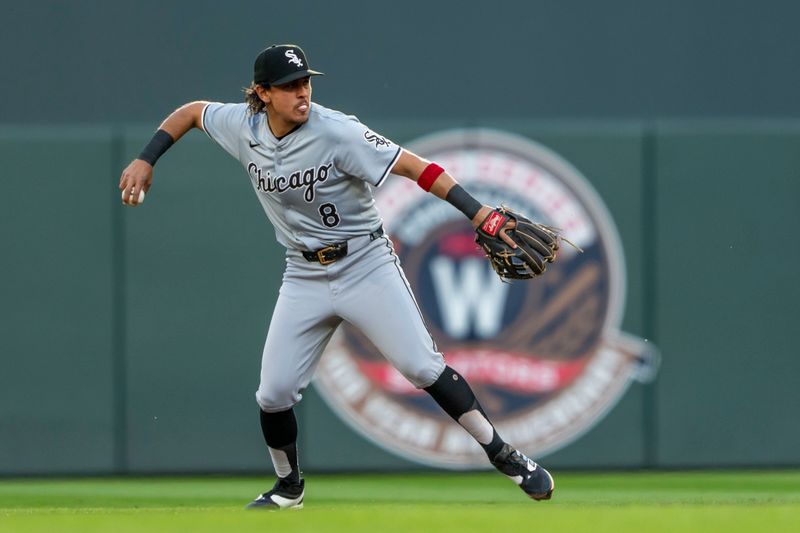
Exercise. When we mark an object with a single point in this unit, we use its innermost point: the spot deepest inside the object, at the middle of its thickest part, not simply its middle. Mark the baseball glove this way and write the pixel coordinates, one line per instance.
(537, 244)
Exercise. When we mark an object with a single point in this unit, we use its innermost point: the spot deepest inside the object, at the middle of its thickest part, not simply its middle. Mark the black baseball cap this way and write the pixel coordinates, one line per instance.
(281, 63)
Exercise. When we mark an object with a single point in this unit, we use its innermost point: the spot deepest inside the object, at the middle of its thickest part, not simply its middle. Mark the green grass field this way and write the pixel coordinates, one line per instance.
(597, 502)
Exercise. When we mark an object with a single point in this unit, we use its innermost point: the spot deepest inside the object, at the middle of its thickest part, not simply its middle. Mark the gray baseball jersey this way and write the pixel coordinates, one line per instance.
(313, 183)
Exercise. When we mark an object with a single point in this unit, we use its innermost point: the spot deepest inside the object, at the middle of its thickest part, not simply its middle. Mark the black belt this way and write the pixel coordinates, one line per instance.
(334, 252)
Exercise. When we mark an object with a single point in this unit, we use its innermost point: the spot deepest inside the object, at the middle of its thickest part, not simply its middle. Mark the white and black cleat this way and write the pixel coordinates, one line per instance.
(284, 495)
(531, 477)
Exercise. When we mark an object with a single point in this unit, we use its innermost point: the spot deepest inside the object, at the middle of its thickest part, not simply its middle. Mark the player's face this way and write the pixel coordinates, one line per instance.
(290, 103)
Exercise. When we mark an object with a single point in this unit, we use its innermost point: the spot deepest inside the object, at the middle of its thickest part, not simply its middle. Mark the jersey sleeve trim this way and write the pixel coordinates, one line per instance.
(203, 121)
(390, 167)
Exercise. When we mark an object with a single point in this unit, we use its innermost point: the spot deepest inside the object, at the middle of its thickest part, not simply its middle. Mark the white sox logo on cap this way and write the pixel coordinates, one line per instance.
(546, 357)
(293, 58)
(272, 68)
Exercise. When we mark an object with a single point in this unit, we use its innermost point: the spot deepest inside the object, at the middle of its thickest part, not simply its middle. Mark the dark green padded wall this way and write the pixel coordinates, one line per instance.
(131, 338)
(57, 310)
(728, 210)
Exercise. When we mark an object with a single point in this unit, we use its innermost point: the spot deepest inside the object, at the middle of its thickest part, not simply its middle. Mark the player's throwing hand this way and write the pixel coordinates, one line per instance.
(136, 179)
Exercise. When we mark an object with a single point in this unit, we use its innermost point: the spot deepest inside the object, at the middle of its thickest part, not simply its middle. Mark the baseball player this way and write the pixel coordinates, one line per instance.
(313, 169)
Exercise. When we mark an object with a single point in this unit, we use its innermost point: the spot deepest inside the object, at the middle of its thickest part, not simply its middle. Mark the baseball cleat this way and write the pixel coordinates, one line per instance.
(531, 477)
(284, 495)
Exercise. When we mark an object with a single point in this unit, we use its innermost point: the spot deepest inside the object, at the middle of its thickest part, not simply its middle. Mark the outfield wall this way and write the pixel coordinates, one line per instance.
(131, 338)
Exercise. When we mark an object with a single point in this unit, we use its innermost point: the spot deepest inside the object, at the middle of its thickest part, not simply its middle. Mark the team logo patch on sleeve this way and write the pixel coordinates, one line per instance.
(547, 357)
(377, 140)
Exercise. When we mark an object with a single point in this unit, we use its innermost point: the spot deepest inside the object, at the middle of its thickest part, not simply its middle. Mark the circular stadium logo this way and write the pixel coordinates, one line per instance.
(545, 357)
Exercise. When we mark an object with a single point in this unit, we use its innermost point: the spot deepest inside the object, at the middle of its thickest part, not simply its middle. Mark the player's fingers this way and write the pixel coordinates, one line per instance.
(506, 239)
(509, 225)
(136, 178)
(126, 183)
(130, 194)
(133, 199)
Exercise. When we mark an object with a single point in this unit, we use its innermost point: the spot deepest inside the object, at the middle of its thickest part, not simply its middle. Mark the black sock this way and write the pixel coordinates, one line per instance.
(280, 434)
(452, 392)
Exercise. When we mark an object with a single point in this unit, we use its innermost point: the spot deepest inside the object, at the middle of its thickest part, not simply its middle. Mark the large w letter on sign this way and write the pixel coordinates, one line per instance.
(470, 299)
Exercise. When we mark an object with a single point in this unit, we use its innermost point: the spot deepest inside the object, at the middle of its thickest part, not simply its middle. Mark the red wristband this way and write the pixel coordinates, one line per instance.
(429, 176)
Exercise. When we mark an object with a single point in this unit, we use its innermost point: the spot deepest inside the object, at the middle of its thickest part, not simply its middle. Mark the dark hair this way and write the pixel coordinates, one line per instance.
(254, 103)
